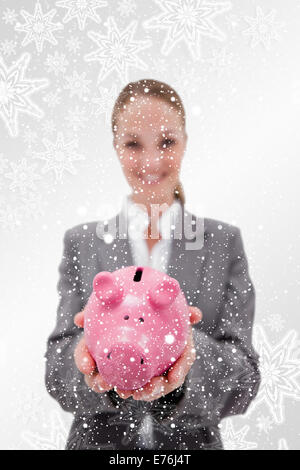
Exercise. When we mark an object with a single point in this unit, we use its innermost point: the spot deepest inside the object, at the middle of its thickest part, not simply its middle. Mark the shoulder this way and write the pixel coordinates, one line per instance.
(214, 227)
(220, 227)
(217, 232)
(223, 235)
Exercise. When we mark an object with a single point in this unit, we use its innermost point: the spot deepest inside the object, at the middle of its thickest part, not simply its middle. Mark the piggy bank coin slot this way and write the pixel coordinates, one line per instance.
(138, 275)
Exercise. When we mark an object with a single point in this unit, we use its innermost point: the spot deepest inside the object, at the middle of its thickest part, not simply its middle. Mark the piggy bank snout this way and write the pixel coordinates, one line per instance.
(125, 366)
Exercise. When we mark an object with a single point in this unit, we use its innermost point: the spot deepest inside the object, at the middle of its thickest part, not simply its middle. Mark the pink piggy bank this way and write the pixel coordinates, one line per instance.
(136, 325)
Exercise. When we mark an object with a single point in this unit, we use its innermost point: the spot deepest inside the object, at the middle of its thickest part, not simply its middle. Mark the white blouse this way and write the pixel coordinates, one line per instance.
(138, 221)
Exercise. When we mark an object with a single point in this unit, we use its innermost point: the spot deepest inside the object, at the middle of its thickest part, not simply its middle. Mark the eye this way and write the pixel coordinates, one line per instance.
(131, 144)
(168, 142)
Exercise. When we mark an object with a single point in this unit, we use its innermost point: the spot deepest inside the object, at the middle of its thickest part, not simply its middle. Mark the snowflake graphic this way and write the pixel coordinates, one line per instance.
(3, 163)
(28, 406)
(192, 424)
(188, 21)
(85, 439)
(23, 176)
(145, 432)
(77, 84)
(59, 156)
(73, 44)
(275, 322)
(126, 7)
(142, 417)
(280, 367)
(52, 99)
(9, 16)
(282, 444)
(220, 61)
(10, 216)
(132, 414)
(263, 28)
(19, 206)
(232, 21)
(30, 136)
(105, 101)
(15, 90)
(56, 63)
(76, 119)
(38, 27)
(32, 205)
(81, 9)
(235, 440)
(8, 47)
(54, 440)
(117, 50)
(49, 127)
(264, 424)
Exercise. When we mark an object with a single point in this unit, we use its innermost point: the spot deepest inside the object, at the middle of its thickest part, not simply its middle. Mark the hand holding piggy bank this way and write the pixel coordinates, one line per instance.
(136, 325)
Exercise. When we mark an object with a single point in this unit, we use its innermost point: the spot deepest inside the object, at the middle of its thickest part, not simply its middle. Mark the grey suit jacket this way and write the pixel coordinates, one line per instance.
(224, 377)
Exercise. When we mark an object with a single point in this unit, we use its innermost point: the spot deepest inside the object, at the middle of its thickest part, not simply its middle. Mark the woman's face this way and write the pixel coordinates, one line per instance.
(150, 142)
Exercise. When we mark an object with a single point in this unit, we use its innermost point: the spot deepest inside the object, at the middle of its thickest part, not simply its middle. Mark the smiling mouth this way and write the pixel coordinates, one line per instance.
(152, 178)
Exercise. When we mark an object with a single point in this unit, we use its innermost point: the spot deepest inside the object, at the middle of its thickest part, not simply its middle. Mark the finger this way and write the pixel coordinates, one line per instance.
(124, 393)
(195, 315)
(79, 319)
(101, 383)
(159, 389)
(153, 390)
(146, 389)
(181, 367)
(96, 383)
(89, 380)
(83, 360)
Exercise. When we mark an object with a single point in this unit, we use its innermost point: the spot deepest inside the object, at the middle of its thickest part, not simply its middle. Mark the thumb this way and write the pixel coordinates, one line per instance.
(79, 319)
(195, 315)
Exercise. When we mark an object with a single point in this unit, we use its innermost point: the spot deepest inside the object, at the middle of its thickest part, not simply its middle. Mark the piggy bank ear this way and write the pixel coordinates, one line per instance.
(164, 293)
(106, 288)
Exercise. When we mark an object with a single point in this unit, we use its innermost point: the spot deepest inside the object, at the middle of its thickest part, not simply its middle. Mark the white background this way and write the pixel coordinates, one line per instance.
(242, 101)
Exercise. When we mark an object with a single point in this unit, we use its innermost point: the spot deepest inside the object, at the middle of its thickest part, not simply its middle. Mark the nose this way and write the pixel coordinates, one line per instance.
(126, 367)
(151, 163)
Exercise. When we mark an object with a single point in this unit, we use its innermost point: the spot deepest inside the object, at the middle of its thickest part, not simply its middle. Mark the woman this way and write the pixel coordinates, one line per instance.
(217, 374)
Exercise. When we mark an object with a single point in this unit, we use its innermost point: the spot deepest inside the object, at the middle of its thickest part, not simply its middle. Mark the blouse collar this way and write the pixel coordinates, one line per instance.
(138, 219)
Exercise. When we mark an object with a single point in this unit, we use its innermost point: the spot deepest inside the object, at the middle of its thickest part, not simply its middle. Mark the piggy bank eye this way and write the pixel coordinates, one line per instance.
(126, 317)
(141, 320)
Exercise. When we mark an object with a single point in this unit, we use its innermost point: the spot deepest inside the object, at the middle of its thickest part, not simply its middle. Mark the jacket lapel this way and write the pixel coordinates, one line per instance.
(115, 252)
(185, 265)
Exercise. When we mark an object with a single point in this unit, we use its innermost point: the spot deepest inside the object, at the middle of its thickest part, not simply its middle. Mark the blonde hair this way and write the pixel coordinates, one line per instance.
(158, 90)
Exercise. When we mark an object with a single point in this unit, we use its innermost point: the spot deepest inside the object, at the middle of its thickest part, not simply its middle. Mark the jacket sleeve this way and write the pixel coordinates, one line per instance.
(63, 380)
(225, 376)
